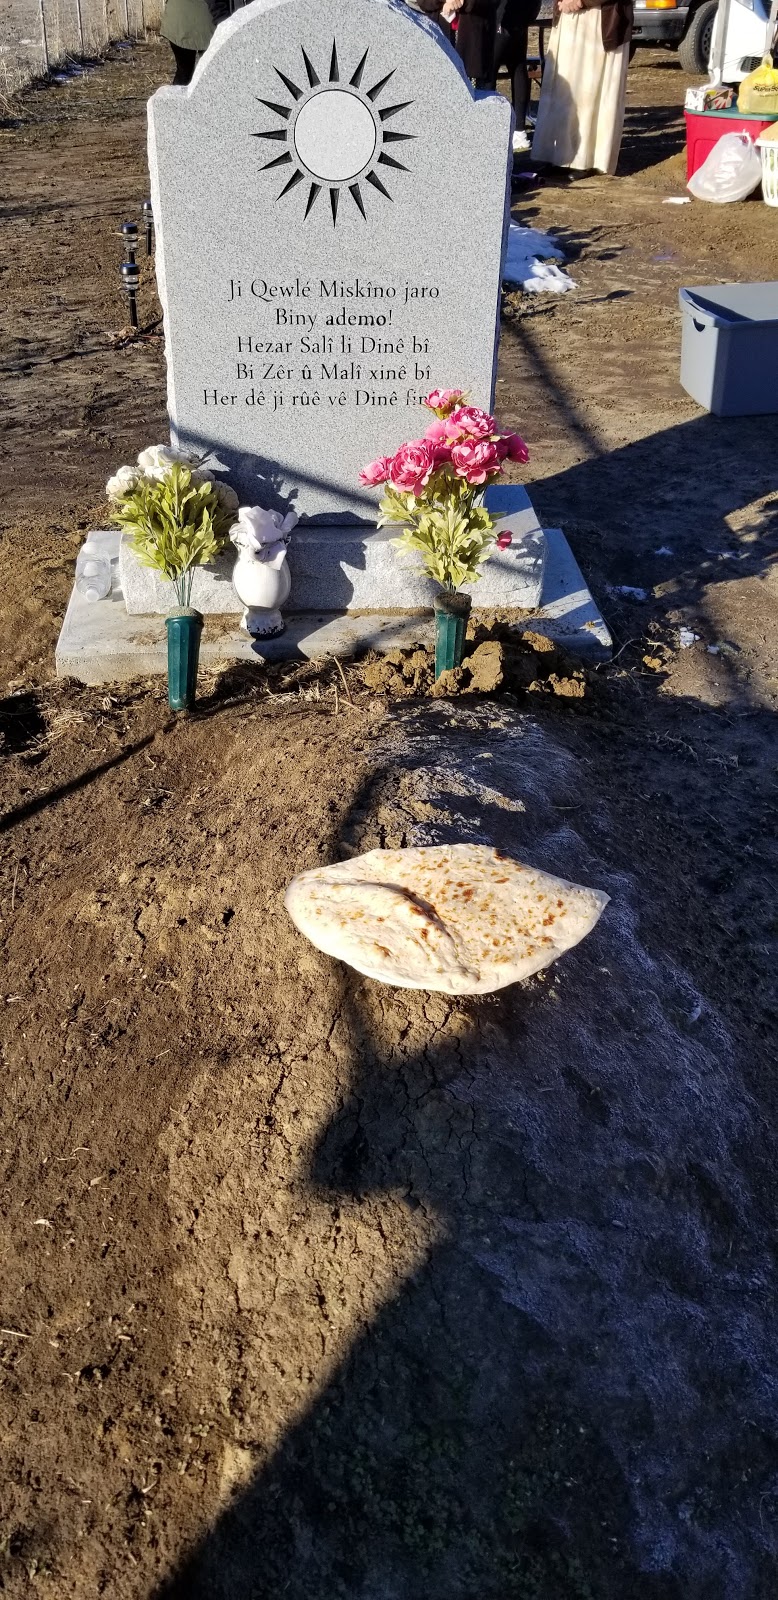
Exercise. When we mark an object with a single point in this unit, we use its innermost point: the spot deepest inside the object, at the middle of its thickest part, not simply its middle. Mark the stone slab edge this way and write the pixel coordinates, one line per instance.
(101, 643)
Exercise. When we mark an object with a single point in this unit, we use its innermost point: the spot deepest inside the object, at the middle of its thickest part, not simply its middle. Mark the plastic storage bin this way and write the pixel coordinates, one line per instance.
(729, 348)
(705, 128)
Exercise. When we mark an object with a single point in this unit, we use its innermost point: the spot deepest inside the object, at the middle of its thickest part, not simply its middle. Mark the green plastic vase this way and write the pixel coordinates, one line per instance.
(184, 628)
(451, 613)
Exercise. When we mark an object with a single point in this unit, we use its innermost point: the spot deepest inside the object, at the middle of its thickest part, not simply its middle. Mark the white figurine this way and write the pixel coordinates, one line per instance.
(261, 576)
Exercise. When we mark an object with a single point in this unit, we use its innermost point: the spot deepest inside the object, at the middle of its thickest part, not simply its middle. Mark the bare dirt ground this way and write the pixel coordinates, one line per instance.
(318, 1289)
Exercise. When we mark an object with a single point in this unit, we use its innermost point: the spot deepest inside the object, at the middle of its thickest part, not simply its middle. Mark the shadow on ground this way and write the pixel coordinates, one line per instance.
(651, 135)
(656, 532)
(553, 1406)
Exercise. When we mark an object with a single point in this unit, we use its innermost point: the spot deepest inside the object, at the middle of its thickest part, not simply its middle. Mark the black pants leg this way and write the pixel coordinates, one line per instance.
(513, 55)
(185, 64)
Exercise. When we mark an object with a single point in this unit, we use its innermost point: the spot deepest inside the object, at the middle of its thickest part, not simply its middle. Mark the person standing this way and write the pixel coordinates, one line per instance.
(514, 20)
(581, 114)
(188, 26)
(472, 27)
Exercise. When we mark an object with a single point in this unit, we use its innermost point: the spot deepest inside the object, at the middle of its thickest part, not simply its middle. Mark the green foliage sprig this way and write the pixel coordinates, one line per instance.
(176, 523)
(449, 529)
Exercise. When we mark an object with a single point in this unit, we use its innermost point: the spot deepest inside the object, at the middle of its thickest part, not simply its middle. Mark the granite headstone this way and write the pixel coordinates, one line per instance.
(331, 203)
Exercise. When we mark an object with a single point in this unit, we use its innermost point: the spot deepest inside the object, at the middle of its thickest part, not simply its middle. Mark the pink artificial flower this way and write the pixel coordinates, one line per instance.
(503, 540)
(410, 469)
(475, 459)
(443, 401)
(376, 472)
(512, 448)
(469, 422)
(439, 442)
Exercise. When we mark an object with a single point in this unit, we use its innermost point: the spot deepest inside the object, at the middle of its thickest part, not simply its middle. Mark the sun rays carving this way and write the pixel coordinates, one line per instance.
(335, 134)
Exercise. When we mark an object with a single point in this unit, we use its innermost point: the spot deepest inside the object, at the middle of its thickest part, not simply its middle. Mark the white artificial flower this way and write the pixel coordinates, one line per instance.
(123, 482)
(155, 461)
(257, 527)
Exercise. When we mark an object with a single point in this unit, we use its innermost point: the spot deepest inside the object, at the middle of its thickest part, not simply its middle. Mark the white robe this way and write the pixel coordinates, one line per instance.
(581, 112)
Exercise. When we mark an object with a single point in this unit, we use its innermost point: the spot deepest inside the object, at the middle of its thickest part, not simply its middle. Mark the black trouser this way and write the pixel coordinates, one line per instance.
(185, 64)
(512, 41)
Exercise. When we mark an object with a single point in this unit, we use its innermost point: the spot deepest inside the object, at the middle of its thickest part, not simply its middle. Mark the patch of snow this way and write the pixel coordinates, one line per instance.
(628, 591)
(528, 261)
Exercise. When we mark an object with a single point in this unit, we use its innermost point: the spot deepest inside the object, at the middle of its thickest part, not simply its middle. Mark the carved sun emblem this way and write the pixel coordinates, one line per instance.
(335, 134)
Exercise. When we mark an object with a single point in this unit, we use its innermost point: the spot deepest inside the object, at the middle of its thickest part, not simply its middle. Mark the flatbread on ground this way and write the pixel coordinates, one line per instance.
(460, 918)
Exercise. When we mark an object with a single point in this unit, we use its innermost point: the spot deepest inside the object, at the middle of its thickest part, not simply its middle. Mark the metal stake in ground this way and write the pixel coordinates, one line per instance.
(148, 218)
(130, 281)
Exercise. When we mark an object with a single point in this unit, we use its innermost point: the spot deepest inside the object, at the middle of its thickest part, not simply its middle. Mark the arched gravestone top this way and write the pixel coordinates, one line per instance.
(331, 200)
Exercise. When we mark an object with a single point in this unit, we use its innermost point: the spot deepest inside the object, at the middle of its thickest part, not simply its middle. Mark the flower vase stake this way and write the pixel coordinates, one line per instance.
(178, 519)
(261, 577)
(434, 489)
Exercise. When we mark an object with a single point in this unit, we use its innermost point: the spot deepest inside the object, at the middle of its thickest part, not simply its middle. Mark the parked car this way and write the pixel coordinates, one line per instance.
(685, 27)
(689, 28)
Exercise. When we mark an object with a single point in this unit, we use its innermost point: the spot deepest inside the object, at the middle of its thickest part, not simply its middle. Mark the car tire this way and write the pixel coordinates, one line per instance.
(694, 49)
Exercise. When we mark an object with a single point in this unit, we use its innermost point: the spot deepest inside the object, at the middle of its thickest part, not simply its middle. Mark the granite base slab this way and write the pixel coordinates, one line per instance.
(102, 643)
(358, 569)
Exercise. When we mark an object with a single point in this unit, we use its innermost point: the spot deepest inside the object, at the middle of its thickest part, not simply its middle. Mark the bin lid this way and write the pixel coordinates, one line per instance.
(734, 115)
(735, 302)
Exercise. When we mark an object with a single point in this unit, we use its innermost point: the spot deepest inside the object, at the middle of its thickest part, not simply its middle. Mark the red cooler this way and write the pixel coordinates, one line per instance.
(705, 128)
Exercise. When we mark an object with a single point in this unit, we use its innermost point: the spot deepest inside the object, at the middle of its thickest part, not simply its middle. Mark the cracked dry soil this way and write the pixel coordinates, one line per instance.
(312, 1288)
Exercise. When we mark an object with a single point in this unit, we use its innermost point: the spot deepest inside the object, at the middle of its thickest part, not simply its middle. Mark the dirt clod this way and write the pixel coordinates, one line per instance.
(381, 676)
(451, 682)
(572, 688)
(486, 668)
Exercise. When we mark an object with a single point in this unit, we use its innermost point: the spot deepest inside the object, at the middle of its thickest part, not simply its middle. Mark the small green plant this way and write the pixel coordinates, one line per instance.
(176, 516)
(175, 525)
(452, 533)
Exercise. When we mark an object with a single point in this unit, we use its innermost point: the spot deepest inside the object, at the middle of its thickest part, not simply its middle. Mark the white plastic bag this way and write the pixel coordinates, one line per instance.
(731, 171)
